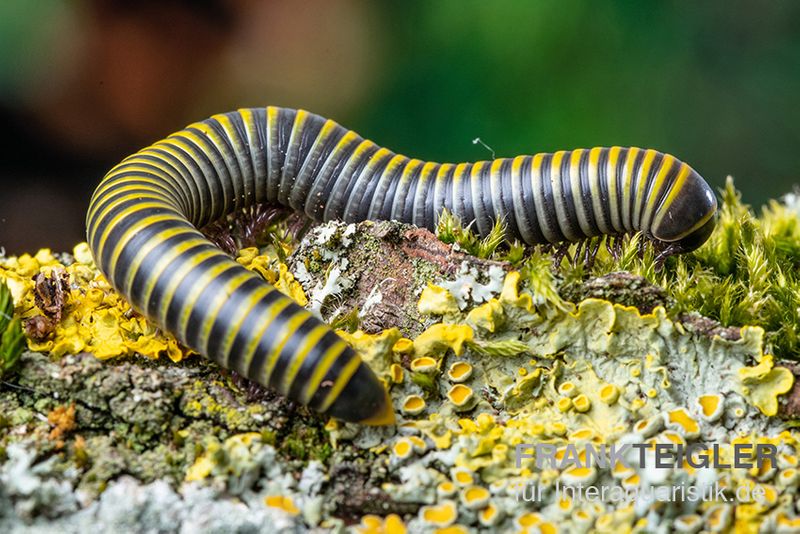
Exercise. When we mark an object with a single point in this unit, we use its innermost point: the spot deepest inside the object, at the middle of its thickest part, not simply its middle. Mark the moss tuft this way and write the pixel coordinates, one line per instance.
(12, 339)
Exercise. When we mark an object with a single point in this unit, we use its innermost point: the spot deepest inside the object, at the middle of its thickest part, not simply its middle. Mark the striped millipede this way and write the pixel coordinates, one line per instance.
(143, 218)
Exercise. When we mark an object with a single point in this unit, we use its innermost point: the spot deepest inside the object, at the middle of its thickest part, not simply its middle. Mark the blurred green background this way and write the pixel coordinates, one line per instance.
(85, 83)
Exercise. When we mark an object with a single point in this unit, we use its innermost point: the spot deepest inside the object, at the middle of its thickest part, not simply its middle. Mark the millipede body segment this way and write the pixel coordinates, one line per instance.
(143, 218)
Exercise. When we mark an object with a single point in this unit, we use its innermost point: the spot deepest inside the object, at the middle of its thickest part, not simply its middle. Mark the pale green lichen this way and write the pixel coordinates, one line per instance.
(763, 384)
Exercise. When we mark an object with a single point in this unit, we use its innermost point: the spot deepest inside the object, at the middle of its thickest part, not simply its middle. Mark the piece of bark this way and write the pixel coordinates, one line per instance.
(398, 260)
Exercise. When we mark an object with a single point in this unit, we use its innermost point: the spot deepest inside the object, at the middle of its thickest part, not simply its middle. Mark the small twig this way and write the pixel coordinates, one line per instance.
(478, 141)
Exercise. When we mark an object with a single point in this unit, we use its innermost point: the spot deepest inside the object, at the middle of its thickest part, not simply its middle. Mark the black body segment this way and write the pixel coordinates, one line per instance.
(143, 218)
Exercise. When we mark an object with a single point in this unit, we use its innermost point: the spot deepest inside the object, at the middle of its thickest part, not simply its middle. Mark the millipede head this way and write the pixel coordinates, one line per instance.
(686, 218)
(363, 400)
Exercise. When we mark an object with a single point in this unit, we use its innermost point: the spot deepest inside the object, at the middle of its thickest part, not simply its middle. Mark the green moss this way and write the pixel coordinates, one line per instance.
(305, 441)
(12, 340)
(427, 382)
(450, 230)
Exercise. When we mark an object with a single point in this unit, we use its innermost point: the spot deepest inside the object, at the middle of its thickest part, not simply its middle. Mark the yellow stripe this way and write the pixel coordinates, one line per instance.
(475, 193)
(239, 185)
(520, 210)
(289, 328)
(112, 178)
(419, 194)
(596, 195)
(138, 163)
(458, 177)
(176, 252)
(321, 370)
(674, 191)
(666, 165)
(538, 201)
(641, 185)
(181, 149)
(516, 164)
(187, 306)
(536, 164)
(438, 184)
(247, 115)
(239, 317)
(202, 146)
(272, 113)
(250, 350)
(309, 342)
(141, 192)
(111, 181)
(290, 162)
(138, 194)
(341, 381)
(627, 180)
(327, 129)
(319, 143)
(212, 312)
(613, 194)
(558, 193)
(380, 188)
(178, 148)
(495, 186)
(577, 191)
(401, 192)
(148, 247)
(136, 226)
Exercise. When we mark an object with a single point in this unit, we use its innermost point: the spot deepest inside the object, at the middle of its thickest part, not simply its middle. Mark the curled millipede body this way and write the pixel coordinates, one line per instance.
(143, 218)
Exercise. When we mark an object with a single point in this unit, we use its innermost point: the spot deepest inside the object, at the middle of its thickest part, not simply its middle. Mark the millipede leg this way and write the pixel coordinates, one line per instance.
(577, 256)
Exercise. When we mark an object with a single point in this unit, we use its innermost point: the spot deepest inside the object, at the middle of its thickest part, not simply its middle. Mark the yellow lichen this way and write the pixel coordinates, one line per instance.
(609, 393)
(413, 405)
(94, 317)
(564, 404)
(574, 476)
(418, 443)
(436, 300)
(764, 383)
(459, 372)
(710, 406)
(374, 349)
(530, 519)
(462, 476)
(582, 403)
(396, 373)
(489, 516)
(461, 396)
(274, 272)
(511, 296)
(487, 316)
(475, 497)
(442, 515)
(438, 338)
(425, 364)
(287, 285)
(403, 346)
(282, 502)
(452, 529)
(568, 389)
(446, 489)
(685, 423)
(402, 448)
(237, 446)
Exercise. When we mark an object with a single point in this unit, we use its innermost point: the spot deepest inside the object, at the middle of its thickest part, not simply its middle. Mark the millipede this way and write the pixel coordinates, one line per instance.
(143, 220)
